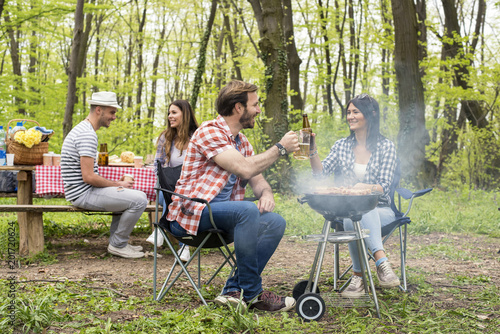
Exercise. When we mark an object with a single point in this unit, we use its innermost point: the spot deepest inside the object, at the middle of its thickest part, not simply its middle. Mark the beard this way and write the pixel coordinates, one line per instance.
(246, 120)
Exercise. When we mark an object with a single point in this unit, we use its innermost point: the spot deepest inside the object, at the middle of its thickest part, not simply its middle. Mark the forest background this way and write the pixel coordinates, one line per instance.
(432, 65)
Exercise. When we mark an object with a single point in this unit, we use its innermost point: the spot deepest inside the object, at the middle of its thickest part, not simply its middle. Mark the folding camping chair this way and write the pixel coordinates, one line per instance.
(212, 238)
(401, 222)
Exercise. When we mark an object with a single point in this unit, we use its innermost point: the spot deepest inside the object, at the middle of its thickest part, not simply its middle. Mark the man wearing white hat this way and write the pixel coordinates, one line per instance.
(85, 188)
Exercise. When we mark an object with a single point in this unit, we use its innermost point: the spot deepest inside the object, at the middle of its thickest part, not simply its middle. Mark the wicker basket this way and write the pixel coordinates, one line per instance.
(22, 154)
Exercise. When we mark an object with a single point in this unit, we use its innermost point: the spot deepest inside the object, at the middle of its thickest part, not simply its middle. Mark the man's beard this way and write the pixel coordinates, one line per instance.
(246, 120)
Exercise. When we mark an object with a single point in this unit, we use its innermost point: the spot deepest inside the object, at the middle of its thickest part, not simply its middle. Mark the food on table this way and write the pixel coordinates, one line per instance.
(127, 157)
(114, 159)
(341, 191)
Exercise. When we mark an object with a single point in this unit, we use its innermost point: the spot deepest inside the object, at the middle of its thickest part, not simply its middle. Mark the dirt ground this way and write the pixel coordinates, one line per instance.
(87, 260)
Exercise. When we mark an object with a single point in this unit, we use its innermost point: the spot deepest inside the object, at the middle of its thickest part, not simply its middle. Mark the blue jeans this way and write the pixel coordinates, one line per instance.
(161, 200)
(374, 221)
(130, 202)
(256, 237)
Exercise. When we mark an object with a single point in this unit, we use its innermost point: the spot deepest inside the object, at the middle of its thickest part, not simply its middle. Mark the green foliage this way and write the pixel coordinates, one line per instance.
(473, 166)
(32, 316)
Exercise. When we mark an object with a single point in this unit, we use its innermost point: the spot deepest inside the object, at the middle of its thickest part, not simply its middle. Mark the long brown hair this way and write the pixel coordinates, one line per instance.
(371, 111)
(183, 133)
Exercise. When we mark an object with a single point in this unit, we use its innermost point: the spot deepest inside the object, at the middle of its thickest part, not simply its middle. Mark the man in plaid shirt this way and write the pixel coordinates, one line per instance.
(219, 163)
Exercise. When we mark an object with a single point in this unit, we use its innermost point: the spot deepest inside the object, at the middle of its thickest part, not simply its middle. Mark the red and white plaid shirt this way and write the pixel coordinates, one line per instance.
(201, 177)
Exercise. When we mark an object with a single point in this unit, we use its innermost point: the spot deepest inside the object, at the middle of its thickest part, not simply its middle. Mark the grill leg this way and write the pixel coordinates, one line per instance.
(365, 266)
(318, 259)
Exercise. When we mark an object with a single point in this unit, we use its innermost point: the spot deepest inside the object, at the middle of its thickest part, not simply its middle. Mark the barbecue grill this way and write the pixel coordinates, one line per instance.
(310, 303)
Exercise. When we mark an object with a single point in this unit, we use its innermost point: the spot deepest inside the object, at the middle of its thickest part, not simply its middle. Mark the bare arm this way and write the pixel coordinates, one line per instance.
(315, 161)
(88, 175)
(248, 167)
(262, 190)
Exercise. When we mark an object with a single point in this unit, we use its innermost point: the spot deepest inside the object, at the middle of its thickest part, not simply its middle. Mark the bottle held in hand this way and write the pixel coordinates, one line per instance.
(304, 140)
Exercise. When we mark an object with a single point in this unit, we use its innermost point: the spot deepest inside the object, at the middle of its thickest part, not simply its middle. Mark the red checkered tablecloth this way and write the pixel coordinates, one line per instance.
(49, 181)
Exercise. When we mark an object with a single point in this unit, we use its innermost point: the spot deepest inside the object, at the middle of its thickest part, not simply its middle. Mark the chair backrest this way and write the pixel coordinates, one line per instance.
(167, 178)
(394, 186)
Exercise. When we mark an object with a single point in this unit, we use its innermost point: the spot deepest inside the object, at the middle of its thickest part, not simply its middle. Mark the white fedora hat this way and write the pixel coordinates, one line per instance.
(107, 99)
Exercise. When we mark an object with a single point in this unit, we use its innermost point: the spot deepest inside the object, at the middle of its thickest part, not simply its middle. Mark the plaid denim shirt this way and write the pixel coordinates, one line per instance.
(201, 177)
(380, 168)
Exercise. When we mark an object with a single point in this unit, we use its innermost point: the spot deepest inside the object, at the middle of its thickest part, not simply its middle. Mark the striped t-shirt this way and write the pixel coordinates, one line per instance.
(80, 142)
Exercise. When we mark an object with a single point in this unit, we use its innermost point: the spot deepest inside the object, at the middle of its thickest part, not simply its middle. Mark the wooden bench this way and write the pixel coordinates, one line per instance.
(56, 208)
(31, 236)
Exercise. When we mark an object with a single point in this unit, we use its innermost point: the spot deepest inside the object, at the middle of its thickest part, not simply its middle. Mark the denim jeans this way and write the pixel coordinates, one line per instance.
(161, 200)
(131, 203)
(256, 237)
(374, 221)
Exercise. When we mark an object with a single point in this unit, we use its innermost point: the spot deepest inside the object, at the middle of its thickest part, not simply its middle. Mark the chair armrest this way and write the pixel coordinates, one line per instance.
(408, 194)
(195, 199)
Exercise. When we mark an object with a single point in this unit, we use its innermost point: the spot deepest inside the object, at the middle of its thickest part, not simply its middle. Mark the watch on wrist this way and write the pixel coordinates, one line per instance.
(282, 151)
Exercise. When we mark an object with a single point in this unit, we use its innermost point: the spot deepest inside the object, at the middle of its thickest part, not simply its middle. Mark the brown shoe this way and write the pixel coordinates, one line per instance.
(271, 302)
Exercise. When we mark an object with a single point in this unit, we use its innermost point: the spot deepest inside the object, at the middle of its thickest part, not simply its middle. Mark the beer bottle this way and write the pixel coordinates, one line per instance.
(306, 127)
(103, 155)
(305, 124)
(304, 139)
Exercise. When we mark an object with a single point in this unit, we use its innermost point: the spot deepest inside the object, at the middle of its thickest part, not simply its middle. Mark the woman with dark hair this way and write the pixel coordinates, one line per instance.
(363, 160)
(171, 149)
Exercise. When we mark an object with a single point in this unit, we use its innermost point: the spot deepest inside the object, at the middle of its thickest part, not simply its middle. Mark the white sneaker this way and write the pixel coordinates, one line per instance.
(386, 276)
(184, 254)
(125, 252)
(355, 289)
(159, 239)
(137, 248)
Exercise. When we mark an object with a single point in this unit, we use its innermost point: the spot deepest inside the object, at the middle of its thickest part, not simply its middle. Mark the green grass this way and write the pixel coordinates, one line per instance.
(78, 308)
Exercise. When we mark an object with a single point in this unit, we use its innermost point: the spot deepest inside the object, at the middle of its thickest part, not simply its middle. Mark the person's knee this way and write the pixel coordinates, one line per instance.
(249, 211)
(276, 222)
(141, 200)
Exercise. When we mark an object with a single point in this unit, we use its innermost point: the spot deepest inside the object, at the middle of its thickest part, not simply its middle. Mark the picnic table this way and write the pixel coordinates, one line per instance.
(49, 181)
(49, 184)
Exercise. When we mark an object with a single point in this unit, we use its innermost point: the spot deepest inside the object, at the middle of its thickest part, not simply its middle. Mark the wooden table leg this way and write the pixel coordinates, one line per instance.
(31, 239)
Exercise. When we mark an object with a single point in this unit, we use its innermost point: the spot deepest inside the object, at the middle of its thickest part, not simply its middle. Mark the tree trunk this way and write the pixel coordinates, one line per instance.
(202, 57)
(82, 56)
(412, 136)
(469, 108)
(220, 59)
(73, 69)
(2, 3)
(341, 58)
(154, 80)
(140, 62)
(232, 47)
(270, 19)
(386, 55)
(16, 65)
(421, 8)
(294, 60)
(324, 32)
(269, 15)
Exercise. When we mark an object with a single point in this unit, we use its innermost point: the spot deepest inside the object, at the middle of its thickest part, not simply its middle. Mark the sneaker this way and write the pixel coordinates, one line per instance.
(125, 252)
(137, 248)
(271, 302)
(355, 289)
(386, 276)
(184, 254)
(159, 239)
(234, 298)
